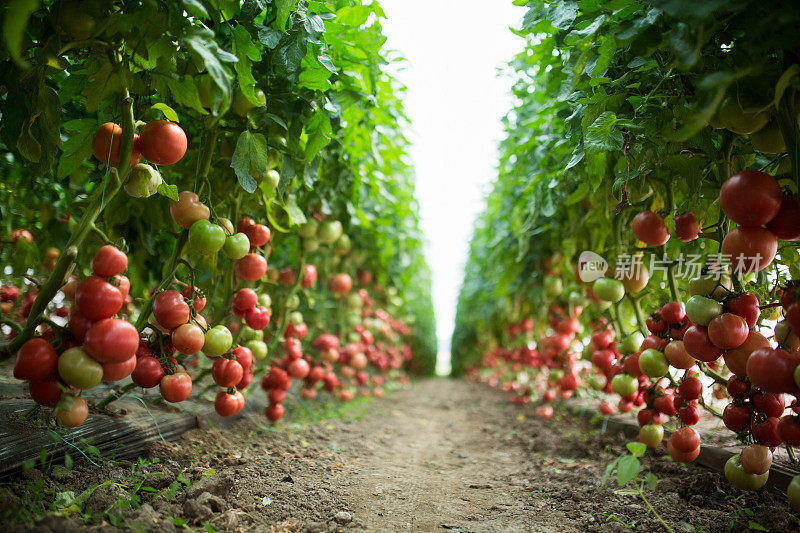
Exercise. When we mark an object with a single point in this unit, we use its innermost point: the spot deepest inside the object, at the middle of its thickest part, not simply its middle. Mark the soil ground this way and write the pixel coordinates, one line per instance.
(440, 455)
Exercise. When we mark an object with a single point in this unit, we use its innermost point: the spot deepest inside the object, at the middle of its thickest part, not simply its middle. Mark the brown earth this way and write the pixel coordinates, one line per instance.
(440, 455)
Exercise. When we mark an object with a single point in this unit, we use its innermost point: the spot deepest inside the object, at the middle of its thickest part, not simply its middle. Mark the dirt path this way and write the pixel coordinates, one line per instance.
(440, 455)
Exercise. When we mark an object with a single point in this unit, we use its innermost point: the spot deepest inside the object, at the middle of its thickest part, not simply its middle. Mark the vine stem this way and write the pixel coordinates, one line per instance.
(718, 379)
(792, 456)
(655, 513)
(97, 203)
(637, 309)
(116, 395)
(169, 275)
(673, 284)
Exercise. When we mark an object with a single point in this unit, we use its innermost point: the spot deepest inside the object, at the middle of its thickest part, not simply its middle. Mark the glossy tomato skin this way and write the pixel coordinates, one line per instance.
(111, 340)
(206, 238)
(228, 404)
(736, 417)
(690, 388)
(188, 209)
(699, 346)
(689, 415)
(673, 312)
(651, 435)
(36, 360)
(341, 283)
(218, 340)
(244, 356)
(728, 331)
(772, 370)
(740, 478)
(236, 246)
(789, 430)
(78, 324)
(737, 387)
(686, 226)
(176, 387)
(649, 228)
(188, 338)
(770, 404)
(257, 318)
(257, 234)
(162, 142)
(106, 145)
(251, 267)
(170, 309)
(227, 372)
(244, 299)
(299, 369)
(97, 299)
(74, 415)
(109, 261)
(148, 372)
(751, 249)
(118, 371)
(736, 359)
(786, 224)
(685, 439)
(608, 290)
(746, 306)
(309, 276)
(45, 392)
(680, 456)
(766, 432)
(750, 198)
(78, 369)
(676, 354)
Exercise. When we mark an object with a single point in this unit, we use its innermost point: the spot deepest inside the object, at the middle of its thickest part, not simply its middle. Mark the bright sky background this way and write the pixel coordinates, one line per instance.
(455, 101)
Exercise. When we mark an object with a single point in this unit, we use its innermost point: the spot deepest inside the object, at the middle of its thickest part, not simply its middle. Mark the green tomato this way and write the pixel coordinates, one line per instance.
(793, 493)
(329, 231)
(310, 245)
(552, 285)
(205, 237)
(292, 302)
(624, 384)
(309, 229)
(259, 349)
(241, 104)
(651, 435)
(218, 340)
(631, 343)
(653, 363)
(702, 310)
(601, 306)
(354, 301)
(342, 245)
(250, 334)
(272, 179)
(296, 318)
(236, 246)
(576, 299)
(143, 181)
(77, 368)
(740, 478)
(265, 300)
(711, 285)
(608, 290)
(596, 381)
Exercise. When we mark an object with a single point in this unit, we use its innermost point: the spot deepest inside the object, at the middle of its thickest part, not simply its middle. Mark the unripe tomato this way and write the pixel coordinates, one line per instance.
(651, 435)
(218, 340)
(111, 340)
(73, 19)
(97, 299)
(717, 286)
(143, 181)
(259, 349)
(624, 385)
(106, 144)
(236, 246)
(329, 231)
(241, 104)
(793, 493)
(227, 372)
(653, 363)
(170, 309)
(309, 276)
(608, 290)
(36, 360)
(702, 310)
(176, 387)
(74, 415)
(148, 372)
(750, 198)
(228, 404)
(109, 261)
(162, 142)
(78, 369)
(251, 267)
(649, 228)
(206, 238)
(676, 354)
(188, 209)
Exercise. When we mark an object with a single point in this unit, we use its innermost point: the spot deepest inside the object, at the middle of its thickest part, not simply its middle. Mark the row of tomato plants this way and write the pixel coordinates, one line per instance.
(632, 139)
(289, 148)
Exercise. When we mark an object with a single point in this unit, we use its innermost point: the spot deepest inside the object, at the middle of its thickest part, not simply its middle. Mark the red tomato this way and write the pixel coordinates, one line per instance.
(45, 392)
(106, 144)
(188, 338)
(685, 439)
(293, 348)
(317, 374)
(308, 394)
(690, 388)
(228, 404)
(251, 267)
(654, 342)
(606, 408)
(258, 234)
(299, 369)
(330, 382)
(770, 404)
(772, 370)
(309, 276)
(109, 261)
(274, 412)
(655, 324)
(96, 298)
(326, 341)
(20, 234)
(111, 340)
(737, 387)
(686, 226)
(341, 283)
(148, 372)
(746, 306)
(789, 430)
(602, 339)
(162, 142)
(766, 432)
(75, 414)
(188, 209)
(257, 318)
(227, 372)
(680, 456)
(649, 228)
(750, 198)
(123, 285)
(199, 302)
(727, 331)
(689, 415)
(176, 387)
(36, 360)
(665, 404)
(276, 379)
(673, 312)
(247, 377)
(736, 417)
(170, 309)
(646, 416)
(786, 224)
(78, 324)
(117, 371)
(736, 359)
(244, 299)
(751, 249)
(699, 346)
(244, 356)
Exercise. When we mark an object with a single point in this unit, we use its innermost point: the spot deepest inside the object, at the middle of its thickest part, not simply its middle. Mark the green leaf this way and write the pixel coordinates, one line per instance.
(16, 20)
(170, 191)
(319, 131)
(651, 480)
(78, 146)
(353, 15)
(285, 8)
(246, 51)
(756, 526)
(784, 81)
(578, 194)
(269, 37)
(293, 210)
(169, 113)
(250, 155)
(637, 449)
(201, 41)
(561, 14)
(627, 469)
(601, 136)
(195, 8)
(103, 81)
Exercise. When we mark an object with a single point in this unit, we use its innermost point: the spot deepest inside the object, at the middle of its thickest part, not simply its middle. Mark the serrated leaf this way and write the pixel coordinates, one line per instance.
(627, 469)
(637, 449)
(169, 113)
(250, 155)
(285, 8)
(246, 51)
(77, 147)
(269, 37)
(170, 191)
(201, 41)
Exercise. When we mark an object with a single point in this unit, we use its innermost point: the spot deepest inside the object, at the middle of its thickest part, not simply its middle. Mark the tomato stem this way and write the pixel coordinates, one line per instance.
(718, 379)
(637, 308)
(652, 510)
(169, 275)
(115, 395)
